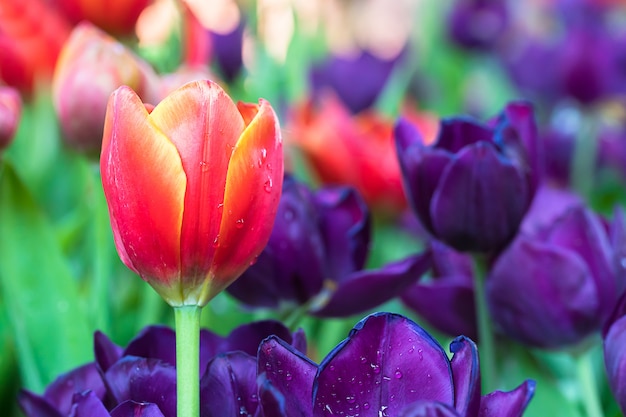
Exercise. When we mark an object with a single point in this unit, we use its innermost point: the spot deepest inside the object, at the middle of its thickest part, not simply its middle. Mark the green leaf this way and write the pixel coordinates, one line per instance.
(40, 295)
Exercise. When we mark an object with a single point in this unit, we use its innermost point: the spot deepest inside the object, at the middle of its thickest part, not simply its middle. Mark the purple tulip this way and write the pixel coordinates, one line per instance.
(227, 50)
(472, 187)
(388, 366)
(316, 255)
(446, 300)
(140, 380)
(614, 355)
(478, 24)
(356, 80)
(560, 278)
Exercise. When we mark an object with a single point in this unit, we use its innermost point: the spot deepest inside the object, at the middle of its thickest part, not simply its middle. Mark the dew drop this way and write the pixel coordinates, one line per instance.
(239, 223)
(263, 153)
(254, 398)
(363, 359)
(268, 185)
(366, 406)
(421, 353)
(216, 241)
(332, 367)
(398, 374)
(375, 368)
(204, 167)
(351, 399)
(288, 376)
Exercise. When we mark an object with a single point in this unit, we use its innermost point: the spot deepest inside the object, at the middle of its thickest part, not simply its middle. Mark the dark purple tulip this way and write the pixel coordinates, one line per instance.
(316, 254)
(478, 24)
(568, 267)
(472, 187)
(356, 80)
(140, 380)
(388, 366)
(227, 50)
(446, 300)
(614, 353)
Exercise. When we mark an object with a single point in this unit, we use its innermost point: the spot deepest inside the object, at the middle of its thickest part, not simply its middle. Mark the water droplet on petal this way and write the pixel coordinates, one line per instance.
(350, 399)
(216, 241)
(239, 223)
(366, 406)
(268, 185)
(288, 377)
(398, 374)
(204, 167)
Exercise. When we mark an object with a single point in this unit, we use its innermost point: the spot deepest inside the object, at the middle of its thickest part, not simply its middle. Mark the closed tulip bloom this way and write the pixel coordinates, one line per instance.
(192, 187)
(568, 266)
(91, 66)
(472, 187)
(10, 112)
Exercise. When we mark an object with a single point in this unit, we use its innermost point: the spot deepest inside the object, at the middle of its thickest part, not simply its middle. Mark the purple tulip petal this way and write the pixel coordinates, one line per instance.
(248, 337)
(549, 204)
(135, 409)
(386, 363)
(61, 392)
(617, 235)
(446, 303)
(466, 374)
(580, 231)
(458, 132)
(143, 380)
(271, 401)
(228, 387)
(87, 404)
(464, 211)
(299, 341)
(365, 290)
(429, 409)
(345, 228)
(34, 405)
(289, 372)
(156, 342)
(448, 262)
(105, 351)
(614, 357)
(507, 404)
(560, 301)
(421, 169)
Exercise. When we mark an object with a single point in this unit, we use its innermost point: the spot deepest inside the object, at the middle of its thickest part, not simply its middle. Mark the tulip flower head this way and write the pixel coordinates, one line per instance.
(192, 187)
(472, 187)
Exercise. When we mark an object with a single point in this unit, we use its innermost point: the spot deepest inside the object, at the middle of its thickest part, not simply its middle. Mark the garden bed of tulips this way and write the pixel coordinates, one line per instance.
(278, 208)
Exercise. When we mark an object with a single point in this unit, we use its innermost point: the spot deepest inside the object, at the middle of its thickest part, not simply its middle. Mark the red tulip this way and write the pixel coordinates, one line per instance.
(356, 150)
(32, 33)
(91, 66)
(10, 111)
(118, 17)
(192, 187)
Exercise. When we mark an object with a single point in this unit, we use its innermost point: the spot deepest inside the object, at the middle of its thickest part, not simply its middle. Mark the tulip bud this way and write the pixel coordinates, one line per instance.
(472, 187)
(10, 111)
(91, 66)
(192, 187)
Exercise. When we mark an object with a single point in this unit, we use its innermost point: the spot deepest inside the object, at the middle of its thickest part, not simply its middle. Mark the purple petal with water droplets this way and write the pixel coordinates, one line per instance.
(228, 387)
(61, 392)
(290, 373)
(386, 363)
(143, 380)
(364, 290)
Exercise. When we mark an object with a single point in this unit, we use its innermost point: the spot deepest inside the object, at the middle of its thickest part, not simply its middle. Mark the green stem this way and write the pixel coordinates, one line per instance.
(187, 360)
(587, 385)
(485, 328)
(583, 163)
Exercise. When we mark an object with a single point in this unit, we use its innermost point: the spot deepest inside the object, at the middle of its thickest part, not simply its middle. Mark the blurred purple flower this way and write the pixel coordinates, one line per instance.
(227, 51)
(560, 278)
(356, 80)
(140, 380)
(316, 254)
(478, 24)
(388, 366)
(472, 187)
(446, 299)
(614, 336)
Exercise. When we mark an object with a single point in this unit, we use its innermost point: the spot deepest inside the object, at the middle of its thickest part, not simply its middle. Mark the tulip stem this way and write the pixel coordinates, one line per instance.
(187, 360)
(587, 386)
(485, 329)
